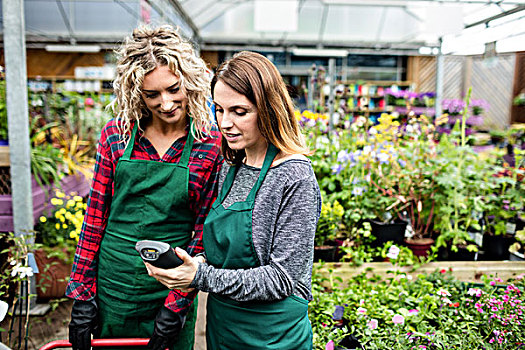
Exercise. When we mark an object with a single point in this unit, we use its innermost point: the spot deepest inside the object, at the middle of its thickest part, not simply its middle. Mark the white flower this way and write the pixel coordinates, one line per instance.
(22, 271)
(443, 293)
(393, 252)
(446, 300)
(475, 291)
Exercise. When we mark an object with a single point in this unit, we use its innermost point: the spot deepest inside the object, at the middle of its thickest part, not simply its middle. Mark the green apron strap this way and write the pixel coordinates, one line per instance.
(226, 186)
(271, 152)
(185, 157)
(131, 142)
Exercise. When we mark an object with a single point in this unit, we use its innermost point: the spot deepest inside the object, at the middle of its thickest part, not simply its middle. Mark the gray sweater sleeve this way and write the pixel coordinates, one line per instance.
(284, 221)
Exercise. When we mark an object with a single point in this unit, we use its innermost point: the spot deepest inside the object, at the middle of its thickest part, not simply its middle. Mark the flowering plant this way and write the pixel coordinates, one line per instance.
(59, 230)
(433, 311)
(330, 223)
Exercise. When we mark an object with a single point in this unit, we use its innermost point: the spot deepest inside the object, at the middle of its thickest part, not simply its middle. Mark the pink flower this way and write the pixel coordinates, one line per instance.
(492, 283)
(398, 319)
(475, 291)
(361, 310)
(413, 311)
(329, 345)
(372, 324)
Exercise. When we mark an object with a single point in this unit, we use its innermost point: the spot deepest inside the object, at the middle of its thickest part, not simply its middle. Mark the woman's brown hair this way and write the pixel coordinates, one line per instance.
(254, 76)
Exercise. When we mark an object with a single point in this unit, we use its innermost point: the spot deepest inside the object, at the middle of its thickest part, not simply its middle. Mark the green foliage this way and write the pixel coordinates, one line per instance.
(3, 111)
(330, 223)
(433, 311)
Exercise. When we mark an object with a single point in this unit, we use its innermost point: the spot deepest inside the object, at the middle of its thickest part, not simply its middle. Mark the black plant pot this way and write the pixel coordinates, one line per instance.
(496, 247)
(446, 254)
(391, 232)
(326, 253)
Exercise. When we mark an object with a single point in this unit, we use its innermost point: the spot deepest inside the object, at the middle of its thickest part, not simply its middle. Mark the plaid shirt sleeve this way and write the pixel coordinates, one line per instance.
(82, 283)
(203, 179)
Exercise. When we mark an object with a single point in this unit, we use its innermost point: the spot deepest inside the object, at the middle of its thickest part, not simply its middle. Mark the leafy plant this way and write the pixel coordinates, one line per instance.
(60, 228)
(3, 111)
(15, 273)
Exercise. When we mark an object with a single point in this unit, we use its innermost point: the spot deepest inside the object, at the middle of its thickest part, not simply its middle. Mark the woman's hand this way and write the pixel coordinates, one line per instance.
(179, 277)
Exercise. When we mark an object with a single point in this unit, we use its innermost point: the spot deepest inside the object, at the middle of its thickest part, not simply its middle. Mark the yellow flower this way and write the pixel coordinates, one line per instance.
(77, 199)
(70, 203)
(64, 226)
(59, 194)
(62, 211)
(55, 201)
(62, 219)
(72, 234)
(57, 226)
(43, 219)
(85, 206)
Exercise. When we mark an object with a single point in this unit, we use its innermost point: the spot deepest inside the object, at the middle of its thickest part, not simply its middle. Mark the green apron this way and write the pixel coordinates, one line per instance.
(150, 201)
(228, 243)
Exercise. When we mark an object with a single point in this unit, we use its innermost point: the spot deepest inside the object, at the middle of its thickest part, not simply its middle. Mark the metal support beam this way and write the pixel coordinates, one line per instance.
(439, 79)
(499, 15)
(331, 99)
(17, 114)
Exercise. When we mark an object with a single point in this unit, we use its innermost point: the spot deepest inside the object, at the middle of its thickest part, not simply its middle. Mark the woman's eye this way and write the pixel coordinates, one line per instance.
(150, 95)
(219, 110)
(240, 113)
(174, 90)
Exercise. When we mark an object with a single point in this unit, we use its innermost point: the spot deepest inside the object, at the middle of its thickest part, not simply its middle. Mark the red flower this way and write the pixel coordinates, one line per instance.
(443, 270)
(454, 305)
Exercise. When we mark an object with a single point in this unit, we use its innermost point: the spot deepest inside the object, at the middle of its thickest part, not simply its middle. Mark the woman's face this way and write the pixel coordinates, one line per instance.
(163, 95)
(237, 118)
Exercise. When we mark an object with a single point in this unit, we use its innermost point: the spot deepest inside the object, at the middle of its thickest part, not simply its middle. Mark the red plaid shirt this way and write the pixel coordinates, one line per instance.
(204, 165)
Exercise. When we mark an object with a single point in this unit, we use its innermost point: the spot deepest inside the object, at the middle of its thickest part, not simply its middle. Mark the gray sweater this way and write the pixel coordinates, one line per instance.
(284, 220)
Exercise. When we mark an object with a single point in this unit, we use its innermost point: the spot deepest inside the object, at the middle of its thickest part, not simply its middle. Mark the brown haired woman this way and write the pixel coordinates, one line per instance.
(259, 235)
(155, 176)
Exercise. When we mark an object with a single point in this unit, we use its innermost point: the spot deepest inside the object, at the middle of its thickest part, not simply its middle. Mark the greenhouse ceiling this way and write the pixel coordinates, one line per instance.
(321, 27)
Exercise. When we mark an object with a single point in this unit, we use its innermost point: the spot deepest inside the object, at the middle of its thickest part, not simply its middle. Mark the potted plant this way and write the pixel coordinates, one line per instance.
(329, 225)
(407, 176)
(461, 183)
(58, 232)
(501, 205)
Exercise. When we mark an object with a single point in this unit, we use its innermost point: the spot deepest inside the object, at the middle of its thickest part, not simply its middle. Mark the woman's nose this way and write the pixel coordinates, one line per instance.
(166, 104)
(226, 121)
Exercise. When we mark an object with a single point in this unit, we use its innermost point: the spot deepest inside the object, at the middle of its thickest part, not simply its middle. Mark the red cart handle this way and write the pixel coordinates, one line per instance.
(99, 342)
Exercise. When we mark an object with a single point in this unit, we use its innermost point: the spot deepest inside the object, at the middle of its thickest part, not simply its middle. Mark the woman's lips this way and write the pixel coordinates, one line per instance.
(231, 136)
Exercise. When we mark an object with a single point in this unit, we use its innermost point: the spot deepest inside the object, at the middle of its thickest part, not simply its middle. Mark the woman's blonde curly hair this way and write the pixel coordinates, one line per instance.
(143, 51)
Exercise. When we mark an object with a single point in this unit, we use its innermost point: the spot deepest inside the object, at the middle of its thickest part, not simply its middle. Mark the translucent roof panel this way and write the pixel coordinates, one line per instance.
(98, 20)
(350, 23)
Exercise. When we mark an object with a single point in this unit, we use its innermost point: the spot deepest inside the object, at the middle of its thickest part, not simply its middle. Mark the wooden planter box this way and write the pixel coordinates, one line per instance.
(465, 271)
(72, 183)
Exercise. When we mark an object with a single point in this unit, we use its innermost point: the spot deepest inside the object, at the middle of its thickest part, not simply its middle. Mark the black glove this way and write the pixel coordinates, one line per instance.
(84, 322)
(168, 325)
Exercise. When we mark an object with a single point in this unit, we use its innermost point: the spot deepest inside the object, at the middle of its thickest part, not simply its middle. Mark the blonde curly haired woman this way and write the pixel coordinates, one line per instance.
(156, 168)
